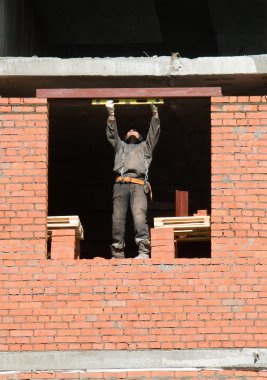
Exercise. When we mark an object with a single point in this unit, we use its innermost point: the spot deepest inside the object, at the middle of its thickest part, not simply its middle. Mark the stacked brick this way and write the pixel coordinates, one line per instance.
(141, 375)
(23, 176)
(162, 243)
(65, 245)
(101, 304)
(161, 303)
(239, 176)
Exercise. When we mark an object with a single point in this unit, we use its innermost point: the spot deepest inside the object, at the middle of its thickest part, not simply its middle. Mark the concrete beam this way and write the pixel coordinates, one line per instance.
(141, 66)
(247, 358)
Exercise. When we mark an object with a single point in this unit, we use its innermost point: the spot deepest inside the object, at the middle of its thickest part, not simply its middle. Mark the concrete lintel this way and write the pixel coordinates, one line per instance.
(252, 358)
(139, 66)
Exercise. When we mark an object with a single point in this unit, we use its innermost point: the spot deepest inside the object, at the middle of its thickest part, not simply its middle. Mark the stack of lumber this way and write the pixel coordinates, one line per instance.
(186, 227)
(65, 222)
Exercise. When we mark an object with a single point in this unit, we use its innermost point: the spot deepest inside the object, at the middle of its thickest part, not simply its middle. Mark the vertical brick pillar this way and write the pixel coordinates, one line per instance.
(64, 244)
(239, 176)
(162, 243)
(23, 176)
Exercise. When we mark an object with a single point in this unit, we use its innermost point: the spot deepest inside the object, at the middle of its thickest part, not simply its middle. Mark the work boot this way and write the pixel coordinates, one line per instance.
(117, 253)
(143, 249)
(142, 256)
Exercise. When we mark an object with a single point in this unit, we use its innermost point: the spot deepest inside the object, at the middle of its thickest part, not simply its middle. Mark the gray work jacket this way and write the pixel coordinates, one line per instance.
(133, 159)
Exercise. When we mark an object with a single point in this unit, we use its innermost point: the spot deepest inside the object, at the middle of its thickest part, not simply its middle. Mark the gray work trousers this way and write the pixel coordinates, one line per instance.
(125, 194)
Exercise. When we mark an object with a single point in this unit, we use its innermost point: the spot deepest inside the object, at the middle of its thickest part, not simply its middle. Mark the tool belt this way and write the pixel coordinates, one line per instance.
(138, 182)
(130, 179)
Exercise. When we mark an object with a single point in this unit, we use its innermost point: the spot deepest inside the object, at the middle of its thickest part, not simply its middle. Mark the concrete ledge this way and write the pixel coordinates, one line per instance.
(134, 66)
(248, 358)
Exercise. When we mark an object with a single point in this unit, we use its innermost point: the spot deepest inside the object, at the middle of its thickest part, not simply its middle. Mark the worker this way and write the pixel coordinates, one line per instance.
(133, 157)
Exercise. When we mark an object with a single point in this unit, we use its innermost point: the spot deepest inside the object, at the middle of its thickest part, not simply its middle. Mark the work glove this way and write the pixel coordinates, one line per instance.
(154, 109)
(110, 107)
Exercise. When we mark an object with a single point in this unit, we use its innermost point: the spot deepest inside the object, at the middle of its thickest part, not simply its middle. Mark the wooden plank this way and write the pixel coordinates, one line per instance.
(110, 93)
(64, 219)
(62, 225)
(187, 217)
(179, 227)
(184, 222)
(182, 218)
(73, 217)
(159, 223)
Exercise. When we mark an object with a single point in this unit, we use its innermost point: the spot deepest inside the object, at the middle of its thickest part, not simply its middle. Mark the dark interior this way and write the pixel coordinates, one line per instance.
(87, 28)
(81, 162)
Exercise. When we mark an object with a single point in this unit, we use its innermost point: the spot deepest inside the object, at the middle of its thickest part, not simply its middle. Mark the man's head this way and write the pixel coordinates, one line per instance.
(133, 136)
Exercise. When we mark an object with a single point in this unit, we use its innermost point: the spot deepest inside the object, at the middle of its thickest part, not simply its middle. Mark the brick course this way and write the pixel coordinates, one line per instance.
(153, 304)
(239, 176)
(162, 303)
(143, 375)
(23, 175)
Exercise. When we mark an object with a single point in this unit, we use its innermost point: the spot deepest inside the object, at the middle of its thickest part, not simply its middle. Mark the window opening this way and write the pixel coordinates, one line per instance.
(81, 162)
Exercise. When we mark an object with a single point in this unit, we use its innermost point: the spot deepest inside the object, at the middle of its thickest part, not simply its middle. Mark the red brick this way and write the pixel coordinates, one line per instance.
(23, 199)
(98, 304)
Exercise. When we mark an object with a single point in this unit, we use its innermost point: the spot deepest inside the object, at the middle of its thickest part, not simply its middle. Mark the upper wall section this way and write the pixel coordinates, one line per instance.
(82, 28)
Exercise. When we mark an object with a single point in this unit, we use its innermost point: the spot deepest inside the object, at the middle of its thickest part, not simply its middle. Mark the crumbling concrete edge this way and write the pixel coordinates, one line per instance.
(105, 360)
(134, 66)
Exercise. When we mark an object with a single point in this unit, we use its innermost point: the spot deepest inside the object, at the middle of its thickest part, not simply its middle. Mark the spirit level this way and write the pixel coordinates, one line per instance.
(130, 101)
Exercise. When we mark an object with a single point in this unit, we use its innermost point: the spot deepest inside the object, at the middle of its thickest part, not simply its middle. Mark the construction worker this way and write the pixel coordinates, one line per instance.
(133, 157)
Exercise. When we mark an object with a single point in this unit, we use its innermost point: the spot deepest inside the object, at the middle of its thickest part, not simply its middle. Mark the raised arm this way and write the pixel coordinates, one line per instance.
(154, 130)
(111, 130)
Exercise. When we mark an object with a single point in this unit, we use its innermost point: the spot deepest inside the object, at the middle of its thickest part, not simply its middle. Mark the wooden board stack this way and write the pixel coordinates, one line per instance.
(61, 222)
(186, 227)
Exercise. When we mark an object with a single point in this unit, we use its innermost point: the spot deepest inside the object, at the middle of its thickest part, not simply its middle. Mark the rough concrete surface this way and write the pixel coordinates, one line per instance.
(122, 66)
(127, 360)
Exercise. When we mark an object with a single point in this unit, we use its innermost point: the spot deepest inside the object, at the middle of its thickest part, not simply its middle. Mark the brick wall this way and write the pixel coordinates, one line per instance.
(23, 175)
(101, 304)
(239, 176)
(142, 375)
(162, 303)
